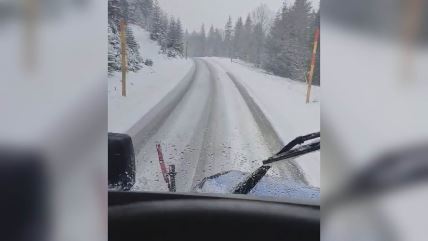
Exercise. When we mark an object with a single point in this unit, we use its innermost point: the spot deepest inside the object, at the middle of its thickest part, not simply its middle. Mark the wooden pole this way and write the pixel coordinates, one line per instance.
(312, 68)
(123, 54)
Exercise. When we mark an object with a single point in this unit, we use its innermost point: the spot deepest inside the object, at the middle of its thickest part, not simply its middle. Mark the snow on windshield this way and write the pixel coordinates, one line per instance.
(213, 99)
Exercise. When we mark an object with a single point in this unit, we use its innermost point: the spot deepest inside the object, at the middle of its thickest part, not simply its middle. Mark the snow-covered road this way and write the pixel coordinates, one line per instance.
(213, 126)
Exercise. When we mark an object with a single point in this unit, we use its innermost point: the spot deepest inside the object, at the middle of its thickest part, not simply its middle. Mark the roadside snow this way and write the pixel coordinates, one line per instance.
(283, 103)
(145, 88)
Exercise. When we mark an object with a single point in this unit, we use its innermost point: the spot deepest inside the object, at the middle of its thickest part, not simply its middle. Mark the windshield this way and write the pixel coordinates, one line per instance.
(206, 96)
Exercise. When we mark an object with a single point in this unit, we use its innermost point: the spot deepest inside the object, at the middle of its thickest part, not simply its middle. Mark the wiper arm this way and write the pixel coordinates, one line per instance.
(248, 184)
(301, 150)
(298, 141)
(286, 153)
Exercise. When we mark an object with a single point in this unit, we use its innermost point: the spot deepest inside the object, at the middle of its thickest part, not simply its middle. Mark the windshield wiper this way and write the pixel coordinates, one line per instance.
(298, 141)
(301, 150)
(248, 184)
(286, 153)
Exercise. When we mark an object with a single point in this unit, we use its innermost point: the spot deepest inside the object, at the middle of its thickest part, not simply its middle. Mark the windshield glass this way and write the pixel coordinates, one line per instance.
(206, 96)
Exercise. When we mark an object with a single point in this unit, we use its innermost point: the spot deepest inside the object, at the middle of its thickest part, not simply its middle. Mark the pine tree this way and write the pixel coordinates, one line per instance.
(118, 11)
(288, 43)
(247, 40)
(316, 78)
(273, 46)
(179, 45)
(210, 41)
(163, 33)
(156, 28)
(113, 51)
(170, 38)
(134, 59)
(124, 8)
(262, 15)
(175, 38)
(140, 12)
(218, 42)
(257, 45)
(298, 47)
(228, 38)
(202, 39)
(115, 14)
(238, 37)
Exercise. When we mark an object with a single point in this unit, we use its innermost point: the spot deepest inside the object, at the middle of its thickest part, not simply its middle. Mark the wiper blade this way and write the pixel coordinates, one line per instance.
(286, 153)
(298, 141)
(301, 150)
(248, 184)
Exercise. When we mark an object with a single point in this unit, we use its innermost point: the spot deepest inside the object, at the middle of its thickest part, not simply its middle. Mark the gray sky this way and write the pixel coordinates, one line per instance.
(195, 12)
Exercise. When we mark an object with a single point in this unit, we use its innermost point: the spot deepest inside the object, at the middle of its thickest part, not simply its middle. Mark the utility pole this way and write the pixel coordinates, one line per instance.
(312, 67)
(123, 54)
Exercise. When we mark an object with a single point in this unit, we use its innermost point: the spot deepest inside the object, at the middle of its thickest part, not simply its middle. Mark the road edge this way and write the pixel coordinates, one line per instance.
(153, 119)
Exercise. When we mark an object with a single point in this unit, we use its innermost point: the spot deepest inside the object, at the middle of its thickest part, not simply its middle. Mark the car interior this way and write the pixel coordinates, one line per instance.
(190, 216)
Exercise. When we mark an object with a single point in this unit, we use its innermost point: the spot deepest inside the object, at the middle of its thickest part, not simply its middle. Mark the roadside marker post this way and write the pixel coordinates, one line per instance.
(312, 68)
(123, 54)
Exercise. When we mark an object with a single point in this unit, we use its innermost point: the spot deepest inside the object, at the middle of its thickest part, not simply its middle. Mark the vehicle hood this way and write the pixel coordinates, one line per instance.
(268, 186)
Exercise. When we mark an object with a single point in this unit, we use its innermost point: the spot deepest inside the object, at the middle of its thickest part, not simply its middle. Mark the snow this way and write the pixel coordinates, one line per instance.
(283, 102)
(380, 107)
(204, 121)
(210, 130)
(145, 88)
(58, 108)
(268, 186)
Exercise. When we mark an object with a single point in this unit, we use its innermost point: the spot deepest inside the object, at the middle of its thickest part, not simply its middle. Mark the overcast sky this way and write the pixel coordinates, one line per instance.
(195, 12)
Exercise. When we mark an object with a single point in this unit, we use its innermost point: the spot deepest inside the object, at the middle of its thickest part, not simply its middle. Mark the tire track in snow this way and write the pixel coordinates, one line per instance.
(232, 140)
(269, 133)
(205, 127)
(180, 132)
(150, 123)
(289, 168)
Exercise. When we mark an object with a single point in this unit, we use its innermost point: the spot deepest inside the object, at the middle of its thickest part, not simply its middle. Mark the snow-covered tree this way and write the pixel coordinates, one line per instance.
(273, 45)
(298, 46)
(281, 45)
(114, 16)
(118, 11)
(179, 44)
(247, 40)
(175, 38)
(141, 12)
(113, 59)
(210, 42)
(218, 43)
(134, 59)
(202, 40)
(257, 45)
(228, 38)
(238, 38)
(156, 27)
(163, 32)
(288, 44)
(262, 15)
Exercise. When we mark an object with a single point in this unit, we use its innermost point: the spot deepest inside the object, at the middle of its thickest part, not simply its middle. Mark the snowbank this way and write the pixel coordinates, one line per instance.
(146, 88)
(283, 102)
